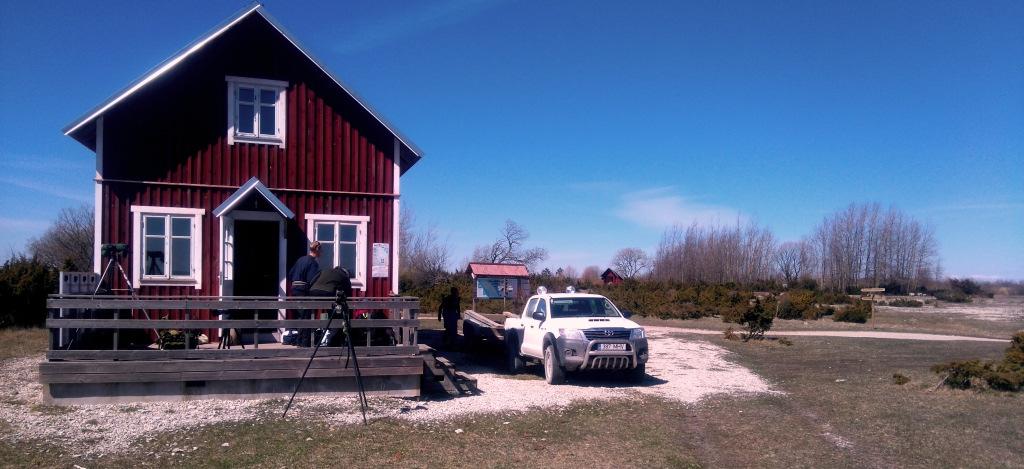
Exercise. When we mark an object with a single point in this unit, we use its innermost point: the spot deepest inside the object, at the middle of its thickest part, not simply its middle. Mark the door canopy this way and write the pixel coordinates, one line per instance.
(253, 192)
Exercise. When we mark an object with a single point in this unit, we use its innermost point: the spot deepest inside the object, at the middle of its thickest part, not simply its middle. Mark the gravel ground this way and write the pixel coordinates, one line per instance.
(684, 370)
(1000, 308)
(854, 334)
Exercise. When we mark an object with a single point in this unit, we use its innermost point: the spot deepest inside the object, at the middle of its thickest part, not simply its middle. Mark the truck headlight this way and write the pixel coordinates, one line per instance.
(572, 334)
(637, 334)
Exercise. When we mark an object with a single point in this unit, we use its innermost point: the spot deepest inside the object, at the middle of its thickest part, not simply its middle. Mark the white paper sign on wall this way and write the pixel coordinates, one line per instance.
(381, 260)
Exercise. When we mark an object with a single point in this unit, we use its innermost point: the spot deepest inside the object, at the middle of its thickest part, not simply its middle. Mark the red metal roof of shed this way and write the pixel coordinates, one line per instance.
(498, 270)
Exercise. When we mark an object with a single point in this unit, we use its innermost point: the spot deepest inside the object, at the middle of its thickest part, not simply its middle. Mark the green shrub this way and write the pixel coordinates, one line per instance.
(962, 374)
(1005, 375)
(833, 298)
(952, 296)
(758, 321)
(24, 285)
(797, 304)
(859, 312)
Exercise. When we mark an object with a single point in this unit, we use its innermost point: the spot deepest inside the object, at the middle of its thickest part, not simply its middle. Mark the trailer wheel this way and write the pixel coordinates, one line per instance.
(513, 361)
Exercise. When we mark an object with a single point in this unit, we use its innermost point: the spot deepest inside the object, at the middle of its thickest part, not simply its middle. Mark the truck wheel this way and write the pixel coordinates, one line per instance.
(637, 375)
(553, 371)
(513, 361)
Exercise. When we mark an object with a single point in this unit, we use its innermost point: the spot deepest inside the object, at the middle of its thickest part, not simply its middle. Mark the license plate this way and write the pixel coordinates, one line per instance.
(611, 347)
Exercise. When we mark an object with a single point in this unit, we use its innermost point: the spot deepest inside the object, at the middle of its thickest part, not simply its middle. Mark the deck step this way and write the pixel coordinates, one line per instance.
(440, 374)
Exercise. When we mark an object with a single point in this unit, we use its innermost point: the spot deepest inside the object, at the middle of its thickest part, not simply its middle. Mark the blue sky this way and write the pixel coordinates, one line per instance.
(596, 125)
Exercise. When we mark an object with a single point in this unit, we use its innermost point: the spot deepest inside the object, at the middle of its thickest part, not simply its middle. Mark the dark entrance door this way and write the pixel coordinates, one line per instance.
(256, 258)
(256, 262)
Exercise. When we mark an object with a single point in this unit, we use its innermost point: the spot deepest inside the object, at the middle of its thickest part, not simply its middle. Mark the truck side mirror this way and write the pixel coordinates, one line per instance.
(538, 315)
(627, 313)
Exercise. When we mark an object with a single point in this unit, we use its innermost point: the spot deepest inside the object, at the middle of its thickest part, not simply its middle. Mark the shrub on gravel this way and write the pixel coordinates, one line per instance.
(900, 379)
(758, 320)
(859, 312)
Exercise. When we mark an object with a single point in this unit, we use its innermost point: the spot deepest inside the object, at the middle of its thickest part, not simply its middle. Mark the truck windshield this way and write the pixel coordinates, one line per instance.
(582, 307)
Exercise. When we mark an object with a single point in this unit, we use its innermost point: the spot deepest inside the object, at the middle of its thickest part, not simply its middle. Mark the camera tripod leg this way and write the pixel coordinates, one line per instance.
(351, 350)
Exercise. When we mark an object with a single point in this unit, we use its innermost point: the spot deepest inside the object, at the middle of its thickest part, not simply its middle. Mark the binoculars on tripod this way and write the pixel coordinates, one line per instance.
(111, 250)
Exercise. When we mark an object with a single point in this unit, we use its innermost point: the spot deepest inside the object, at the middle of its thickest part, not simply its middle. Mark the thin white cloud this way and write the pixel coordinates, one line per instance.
(52, 190)
(663, 207)
(23, 224)
(418, 18)
(998, 206)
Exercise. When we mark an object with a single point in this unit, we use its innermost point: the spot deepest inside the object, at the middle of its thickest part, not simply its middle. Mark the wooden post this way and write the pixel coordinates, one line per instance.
(117, 315)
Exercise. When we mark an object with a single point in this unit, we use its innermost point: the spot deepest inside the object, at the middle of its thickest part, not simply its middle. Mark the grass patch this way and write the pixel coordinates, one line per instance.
(21, 342)
(47, 409)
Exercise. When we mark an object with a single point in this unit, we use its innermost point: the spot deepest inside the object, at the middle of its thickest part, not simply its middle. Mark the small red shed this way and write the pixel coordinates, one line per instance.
(611, 277)
(220, 165)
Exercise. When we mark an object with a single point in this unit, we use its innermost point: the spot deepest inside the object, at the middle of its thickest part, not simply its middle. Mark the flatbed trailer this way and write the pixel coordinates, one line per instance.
(480, 328)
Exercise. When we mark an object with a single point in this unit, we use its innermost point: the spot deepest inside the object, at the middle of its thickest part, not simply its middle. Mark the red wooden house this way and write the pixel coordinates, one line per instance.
(220, 165)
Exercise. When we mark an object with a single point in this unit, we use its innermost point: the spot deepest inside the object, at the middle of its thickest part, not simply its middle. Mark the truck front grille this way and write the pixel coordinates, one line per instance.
(592, 334)
(610, 363)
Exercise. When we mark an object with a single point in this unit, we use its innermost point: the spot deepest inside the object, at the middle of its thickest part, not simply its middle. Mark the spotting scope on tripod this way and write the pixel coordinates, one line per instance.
(340, 310)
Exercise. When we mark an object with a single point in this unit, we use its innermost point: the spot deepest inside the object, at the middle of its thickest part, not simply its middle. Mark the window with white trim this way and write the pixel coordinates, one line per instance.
(342, 243)
(166, 245)
(256, 110)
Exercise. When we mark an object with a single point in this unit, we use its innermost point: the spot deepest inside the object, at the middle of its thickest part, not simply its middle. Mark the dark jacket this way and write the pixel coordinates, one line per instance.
(303, 274)
(449, 308)
(331, 281)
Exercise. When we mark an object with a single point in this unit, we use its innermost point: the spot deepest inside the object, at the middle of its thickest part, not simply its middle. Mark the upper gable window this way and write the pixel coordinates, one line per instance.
(256, 110)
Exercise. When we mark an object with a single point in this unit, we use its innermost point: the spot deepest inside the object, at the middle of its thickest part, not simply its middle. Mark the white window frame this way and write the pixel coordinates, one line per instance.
(280, 111)
(361, 222)
(138, 246)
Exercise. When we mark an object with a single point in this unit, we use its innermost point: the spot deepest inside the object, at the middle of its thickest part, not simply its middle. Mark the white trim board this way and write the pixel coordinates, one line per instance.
(197, 244)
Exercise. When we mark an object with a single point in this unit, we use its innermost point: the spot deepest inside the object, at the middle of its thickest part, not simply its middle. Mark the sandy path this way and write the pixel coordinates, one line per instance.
(855, 334)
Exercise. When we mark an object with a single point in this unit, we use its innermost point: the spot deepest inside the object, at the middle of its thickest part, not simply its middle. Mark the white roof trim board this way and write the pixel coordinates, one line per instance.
(253, 184)
(202, 41)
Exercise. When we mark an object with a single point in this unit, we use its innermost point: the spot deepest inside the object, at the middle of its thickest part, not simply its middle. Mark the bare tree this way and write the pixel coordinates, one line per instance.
(423, 256)
(794, 259)
(68, 243)
(510, 248)
(862, 245)
(630, 262)
(591, 274)
(742, 253)
(570, 274)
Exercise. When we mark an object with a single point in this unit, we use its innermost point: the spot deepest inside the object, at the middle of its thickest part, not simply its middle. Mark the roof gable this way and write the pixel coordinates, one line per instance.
(83, 129)
(498, 270)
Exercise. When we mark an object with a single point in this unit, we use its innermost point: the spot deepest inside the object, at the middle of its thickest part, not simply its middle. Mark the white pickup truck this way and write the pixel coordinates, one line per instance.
(575, 331)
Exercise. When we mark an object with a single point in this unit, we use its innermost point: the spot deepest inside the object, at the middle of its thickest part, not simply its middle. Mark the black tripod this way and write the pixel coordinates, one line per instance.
(340, 306)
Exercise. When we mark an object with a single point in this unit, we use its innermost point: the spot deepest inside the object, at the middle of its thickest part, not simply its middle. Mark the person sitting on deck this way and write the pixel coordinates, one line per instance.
(328, 283)
(302, 275)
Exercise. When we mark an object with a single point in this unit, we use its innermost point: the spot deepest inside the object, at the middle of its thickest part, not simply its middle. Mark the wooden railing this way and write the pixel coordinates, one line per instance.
(403, 321)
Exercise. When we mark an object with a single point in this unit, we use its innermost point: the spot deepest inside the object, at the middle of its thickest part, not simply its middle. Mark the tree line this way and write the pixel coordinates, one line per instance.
(859, 246)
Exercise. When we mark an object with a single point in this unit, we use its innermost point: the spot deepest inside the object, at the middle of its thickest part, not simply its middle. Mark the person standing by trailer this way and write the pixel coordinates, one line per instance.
(449, 311)
(302, 275)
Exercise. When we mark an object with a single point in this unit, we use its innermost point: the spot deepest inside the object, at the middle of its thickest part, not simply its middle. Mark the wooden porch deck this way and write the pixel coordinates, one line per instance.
(271, 370)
